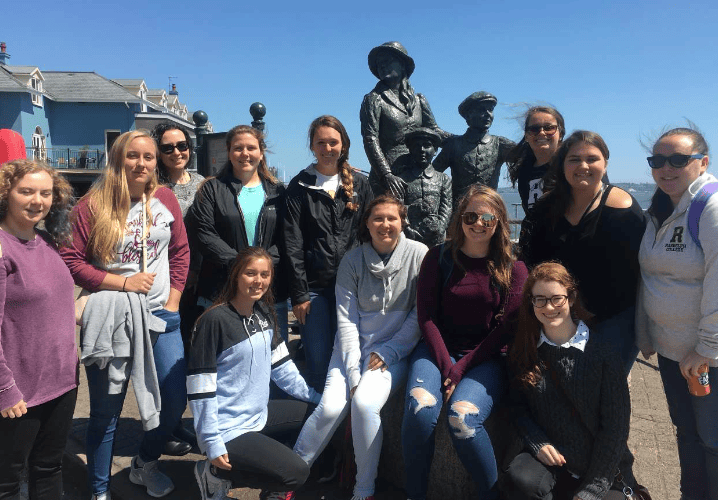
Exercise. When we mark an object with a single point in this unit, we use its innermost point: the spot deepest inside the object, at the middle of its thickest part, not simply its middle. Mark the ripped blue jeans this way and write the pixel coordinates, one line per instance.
(469, 407)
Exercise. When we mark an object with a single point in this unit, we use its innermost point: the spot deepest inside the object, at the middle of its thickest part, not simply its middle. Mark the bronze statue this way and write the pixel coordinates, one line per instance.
(476, 156)
(427, 193)
(388, 112)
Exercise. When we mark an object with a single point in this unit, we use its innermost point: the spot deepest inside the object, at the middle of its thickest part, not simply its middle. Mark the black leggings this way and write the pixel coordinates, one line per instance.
(529, 479)
(38, 438)
(259, 460)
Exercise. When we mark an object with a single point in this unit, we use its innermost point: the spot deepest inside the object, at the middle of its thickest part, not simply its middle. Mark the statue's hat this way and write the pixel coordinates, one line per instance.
(423, 132)
(396, 49)
(476, 98)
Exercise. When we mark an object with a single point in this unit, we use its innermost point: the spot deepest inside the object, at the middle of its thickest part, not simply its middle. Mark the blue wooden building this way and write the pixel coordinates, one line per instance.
(71, 118)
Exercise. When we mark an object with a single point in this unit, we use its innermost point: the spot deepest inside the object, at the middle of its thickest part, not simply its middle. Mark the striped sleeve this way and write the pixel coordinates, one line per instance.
(202, 386)
(286, 375)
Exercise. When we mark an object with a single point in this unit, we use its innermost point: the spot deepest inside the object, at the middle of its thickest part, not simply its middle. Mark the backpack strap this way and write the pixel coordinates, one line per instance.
(446, 264)
(698, 203)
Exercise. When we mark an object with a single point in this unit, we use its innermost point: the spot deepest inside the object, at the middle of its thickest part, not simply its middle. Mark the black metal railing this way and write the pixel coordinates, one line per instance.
(91, 159)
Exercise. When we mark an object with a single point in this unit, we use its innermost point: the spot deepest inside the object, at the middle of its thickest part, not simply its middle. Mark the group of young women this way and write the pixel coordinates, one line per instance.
(375, 314)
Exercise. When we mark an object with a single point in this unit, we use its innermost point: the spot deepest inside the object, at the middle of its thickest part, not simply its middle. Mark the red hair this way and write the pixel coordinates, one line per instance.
(523, 355)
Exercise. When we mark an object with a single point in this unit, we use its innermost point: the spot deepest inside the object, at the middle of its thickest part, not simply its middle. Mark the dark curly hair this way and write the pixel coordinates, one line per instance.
(57, 221)
(157, 134)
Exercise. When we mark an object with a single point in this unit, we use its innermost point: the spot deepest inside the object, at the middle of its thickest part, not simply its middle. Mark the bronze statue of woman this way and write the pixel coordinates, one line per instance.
(388, 112)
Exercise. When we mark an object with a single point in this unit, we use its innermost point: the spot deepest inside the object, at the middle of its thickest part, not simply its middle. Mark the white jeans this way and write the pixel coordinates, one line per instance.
(375, 387)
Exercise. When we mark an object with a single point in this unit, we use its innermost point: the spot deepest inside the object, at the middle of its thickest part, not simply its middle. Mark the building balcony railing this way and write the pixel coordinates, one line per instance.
(91, 159)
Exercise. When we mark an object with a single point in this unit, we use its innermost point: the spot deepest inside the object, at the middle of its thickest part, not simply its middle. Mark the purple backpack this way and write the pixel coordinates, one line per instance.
(698, 203)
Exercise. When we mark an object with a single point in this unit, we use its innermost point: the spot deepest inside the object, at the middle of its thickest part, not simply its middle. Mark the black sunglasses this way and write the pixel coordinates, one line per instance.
(675, 160)
(536, 129)
(168, 148)
(470, 218)
(540, 301)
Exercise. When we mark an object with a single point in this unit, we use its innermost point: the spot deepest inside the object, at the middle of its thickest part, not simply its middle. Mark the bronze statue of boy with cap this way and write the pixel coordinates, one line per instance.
(476, 156)
(427, 193)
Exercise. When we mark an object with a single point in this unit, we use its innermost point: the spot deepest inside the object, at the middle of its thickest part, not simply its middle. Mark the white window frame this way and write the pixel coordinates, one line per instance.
(36, 97)
(39, 145)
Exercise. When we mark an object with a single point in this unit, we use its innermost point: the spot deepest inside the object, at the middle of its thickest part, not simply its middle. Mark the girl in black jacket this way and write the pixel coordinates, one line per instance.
(242, 206)
(325, 203)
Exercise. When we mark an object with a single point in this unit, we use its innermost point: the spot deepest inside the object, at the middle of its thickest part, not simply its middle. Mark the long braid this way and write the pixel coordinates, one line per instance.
(346, 171)
(348, 185)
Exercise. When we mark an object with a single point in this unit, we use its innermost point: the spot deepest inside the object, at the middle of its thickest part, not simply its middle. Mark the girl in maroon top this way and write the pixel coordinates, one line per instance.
(38, 357)
(468, 289)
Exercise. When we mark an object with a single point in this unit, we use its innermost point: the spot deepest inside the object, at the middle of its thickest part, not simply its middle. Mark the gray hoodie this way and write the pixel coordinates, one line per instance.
(376, 305)
(115, 335)
(677, 310)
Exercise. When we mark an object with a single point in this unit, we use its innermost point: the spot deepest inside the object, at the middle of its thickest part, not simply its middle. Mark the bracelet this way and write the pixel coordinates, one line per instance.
(123, 285)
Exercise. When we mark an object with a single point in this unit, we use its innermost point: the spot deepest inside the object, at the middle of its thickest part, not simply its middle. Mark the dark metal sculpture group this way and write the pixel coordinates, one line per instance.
(401, 138)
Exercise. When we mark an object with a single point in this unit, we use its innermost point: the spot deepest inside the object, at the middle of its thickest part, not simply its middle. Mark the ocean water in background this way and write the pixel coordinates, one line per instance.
(641, 192)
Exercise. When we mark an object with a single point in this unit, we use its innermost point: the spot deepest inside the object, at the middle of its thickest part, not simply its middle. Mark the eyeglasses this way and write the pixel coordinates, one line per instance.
(676, 160)
(168, 148)
(536, 129)
(540, 301)
(470, 218)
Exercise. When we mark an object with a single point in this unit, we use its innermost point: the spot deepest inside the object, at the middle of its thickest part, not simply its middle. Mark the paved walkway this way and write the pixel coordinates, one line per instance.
(652, 441)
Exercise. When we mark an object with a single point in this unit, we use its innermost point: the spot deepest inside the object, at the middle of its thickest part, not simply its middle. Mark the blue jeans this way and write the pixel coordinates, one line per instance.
(469, 407)
(696, 430)
(105, 408)
(318, 334)
(620, 332)
(282, 309)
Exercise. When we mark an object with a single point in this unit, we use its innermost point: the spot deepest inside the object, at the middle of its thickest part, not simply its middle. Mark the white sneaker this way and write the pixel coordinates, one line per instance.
(211, 487)
(102, 496)
(149, 476)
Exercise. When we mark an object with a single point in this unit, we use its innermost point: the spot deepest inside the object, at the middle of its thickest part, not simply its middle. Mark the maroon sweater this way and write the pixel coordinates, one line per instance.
(455, 319)
(38, 357)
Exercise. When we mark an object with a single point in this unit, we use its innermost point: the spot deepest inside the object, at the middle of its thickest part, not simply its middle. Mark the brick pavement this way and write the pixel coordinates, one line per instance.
(652, 440)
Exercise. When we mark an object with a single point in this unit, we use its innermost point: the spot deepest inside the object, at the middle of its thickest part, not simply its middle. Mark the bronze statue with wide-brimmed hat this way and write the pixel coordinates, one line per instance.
(388, 112)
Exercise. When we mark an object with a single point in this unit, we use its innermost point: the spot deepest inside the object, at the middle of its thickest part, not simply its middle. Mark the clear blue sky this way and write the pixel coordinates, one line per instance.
(622, 69)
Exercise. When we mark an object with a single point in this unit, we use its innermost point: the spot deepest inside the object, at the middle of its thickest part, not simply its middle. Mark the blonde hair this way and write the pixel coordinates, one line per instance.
(109, 200)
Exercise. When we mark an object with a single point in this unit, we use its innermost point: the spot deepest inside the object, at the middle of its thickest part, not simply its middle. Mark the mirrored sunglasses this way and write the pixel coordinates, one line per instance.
(168, 148)
(676, 160)
(470, 218)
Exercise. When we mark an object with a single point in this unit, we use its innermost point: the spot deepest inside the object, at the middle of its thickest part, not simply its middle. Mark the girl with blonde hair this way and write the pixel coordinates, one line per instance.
(130, 248)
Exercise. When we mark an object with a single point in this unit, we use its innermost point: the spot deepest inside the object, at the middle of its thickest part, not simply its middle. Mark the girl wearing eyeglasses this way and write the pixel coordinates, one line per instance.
(175, 146)
(594, 229)
(569, 398)
(678, 302)
(528, 161)
(468, 290)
